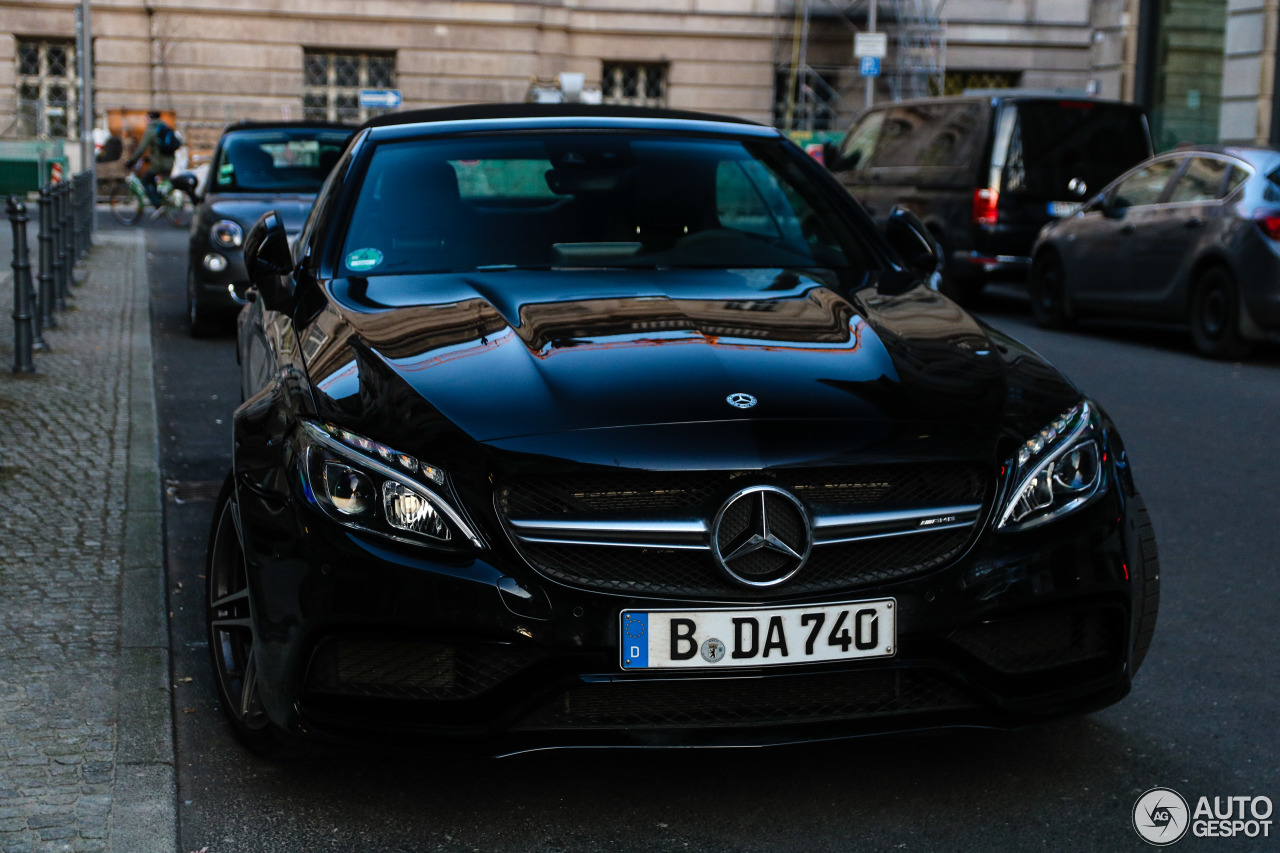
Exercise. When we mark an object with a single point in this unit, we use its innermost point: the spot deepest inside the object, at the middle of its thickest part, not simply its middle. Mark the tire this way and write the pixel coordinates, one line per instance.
(1215, 316)
(1146, 584)
(1047, 289)
(201, 324)
(229, 622)
(125, 206)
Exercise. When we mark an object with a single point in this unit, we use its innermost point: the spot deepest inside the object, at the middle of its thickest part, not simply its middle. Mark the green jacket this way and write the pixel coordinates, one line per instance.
(161, 163)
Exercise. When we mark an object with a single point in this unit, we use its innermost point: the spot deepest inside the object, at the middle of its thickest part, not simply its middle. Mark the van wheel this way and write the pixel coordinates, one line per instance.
(1215, 316)
(1048, 292)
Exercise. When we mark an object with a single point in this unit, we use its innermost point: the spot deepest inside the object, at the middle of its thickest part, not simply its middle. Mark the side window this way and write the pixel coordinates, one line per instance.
(929, 135)
(1238, 177)
(860, 143)
(1145, 185)
(321, 207)
(1200, 181)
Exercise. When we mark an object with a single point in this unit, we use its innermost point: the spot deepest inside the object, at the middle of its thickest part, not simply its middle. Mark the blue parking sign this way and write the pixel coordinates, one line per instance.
(869, 66)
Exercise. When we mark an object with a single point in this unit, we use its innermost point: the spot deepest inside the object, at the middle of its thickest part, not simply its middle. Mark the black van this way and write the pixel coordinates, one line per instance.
(985, 171)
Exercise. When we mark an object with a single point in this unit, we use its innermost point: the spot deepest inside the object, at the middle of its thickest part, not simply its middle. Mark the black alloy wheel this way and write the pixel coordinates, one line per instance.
(1215, 315)
(228, 617)
(1048, 292)
(201, 325)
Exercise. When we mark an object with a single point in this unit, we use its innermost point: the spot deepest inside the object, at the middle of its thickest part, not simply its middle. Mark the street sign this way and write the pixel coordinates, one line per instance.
(870, 44)
(385, 99)
(869, 66)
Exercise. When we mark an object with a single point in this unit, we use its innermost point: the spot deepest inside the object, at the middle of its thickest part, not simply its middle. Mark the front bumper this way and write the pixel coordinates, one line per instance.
(216, 292)
(363, 639)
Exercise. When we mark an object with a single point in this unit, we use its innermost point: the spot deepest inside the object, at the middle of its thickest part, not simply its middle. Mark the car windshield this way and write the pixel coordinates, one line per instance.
(592, 199)
(1056, 142)
(288, 160)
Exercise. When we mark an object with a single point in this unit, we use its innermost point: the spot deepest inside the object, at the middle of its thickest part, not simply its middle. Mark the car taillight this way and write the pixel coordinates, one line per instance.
(1269, 223)
(985, 206)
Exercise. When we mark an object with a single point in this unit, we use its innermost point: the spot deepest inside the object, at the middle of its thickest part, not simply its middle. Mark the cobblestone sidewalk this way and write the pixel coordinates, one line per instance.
(86, 757)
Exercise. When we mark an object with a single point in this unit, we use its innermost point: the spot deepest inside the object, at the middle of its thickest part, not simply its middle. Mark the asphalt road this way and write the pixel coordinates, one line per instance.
(1202, 718)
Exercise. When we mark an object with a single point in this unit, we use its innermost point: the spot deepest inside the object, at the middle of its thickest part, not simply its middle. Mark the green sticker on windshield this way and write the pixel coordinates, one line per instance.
(364, 259)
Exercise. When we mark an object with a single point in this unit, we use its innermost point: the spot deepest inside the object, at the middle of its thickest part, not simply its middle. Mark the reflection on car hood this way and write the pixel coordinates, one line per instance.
(653, 357)
(245, 208)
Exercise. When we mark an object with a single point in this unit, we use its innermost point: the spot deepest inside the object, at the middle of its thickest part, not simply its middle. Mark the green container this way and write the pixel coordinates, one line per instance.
(27, 164)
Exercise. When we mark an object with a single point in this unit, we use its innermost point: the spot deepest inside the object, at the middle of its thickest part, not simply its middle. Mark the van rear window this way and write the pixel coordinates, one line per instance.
(1056, 142)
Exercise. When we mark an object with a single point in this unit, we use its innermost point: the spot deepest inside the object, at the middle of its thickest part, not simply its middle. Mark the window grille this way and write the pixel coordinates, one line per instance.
(641, 84)
(48, 83)
(331, 83)
(958, 81)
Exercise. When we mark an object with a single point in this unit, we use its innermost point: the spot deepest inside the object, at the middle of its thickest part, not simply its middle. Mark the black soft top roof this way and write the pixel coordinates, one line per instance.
(480, 112)
(248, 124)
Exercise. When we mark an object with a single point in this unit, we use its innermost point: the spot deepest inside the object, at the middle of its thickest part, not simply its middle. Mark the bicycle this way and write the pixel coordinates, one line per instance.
(129, 200)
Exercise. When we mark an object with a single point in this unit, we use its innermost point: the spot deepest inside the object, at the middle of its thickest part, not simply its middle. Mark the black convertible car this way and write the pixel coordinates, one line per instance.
(257, 166)
(572, 425)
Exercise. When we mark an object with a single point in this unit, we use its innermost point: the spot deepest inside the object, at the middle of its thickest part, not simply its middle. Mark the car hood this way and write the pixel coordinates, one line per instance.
(245, 208)
(706, 362)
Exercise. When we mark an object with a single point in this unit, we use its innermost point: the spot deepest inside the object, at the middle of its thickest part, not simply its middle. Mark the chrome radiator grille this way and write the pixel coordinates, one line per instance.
(650, 533)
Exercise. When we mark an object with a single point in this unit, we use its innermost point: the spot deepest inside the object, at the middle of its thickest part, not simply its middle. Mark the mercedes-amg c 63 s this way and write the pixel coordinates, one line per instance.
(571, 425)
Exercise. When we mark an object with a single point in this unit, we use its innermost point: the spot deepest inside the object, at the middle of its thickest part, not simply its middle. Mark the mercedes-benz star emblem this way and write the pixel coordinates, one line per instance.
(742, 401)
(761, 536)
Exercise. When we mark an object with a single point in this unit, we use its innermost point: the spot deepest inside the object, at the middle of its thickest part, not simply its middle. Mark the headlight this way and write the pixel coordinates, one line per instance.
(1056, 471)
(226, 234)
(368, 486)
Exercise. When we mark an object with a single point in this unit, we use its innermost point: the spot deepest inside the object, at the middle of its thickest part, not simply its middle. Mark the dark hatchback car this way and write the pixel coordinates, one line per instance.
(987, 170)
(1191, 236)
(255, 168)
(572, 425)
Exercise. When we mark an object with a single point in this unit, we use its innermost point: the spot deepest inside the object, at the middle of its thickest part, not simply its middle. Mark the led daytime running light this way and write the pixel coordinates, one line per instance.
(387, 454)
(1056, 471)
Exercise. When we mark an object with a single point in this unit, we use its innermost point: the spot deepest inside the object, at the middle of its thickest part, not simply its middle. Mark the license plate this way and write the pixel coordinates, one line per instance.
(1064, 208)
(679, 639)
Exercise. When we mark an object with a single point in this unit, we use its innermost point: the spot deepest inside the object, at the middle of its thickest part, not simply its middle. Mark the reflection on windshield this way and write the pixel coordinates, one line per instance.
(277, 161)
(591, 200)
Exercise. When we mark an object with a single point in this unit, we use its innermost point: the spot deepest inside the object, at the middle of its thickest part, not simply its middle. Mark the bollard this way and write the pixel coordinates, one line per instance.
(22, 337)
(82, 215)
(68, 253)
(46, 295)
(73, 193)
(55, 256)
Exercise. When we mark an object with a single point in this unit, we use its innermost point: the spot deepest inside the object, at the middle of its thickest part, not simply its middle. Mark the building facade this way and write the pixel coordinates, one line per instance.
(1204, 68)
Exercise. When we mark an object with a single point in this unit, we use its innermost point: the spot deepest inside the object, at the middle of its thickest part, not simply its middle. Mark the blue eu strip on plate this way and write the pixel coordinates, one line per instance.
(635, 640)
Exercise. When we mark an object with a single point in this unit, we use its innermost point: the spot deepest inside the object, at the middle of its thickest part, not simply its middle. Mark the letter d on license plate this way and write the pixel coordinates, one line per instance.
(666, 639)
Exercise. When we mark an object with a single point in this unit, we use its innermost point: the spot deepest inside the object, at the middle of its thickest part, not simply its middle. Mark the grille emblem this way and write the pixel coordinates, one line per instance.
(761, 536)
(741, 401)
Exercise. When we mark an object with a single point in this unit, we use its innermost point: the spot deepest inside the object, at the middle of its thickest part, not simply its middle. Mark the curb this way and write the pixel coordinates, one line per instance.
(144, 805)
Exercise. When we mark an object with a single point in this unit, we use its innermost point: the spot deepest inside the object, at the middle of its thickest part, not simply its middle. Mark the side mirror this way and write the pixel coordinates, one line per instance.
(267, 259)
(1111, 208)
(185, 181)
(914, 244)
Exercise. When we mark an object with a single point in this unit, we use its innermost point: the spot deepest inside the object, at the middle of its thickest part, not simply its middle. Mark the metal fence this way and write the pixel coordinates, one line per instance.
(65, 236)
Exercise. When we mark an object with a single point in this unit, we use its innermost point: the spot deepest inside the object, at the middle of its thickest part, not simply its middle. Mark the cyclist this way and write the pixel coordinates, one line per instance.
(160, 161)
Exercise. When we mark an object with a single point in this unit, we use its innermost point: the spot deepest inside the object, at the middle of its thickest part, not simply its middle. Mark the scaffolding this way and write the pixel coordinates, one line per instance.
(818, 86)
